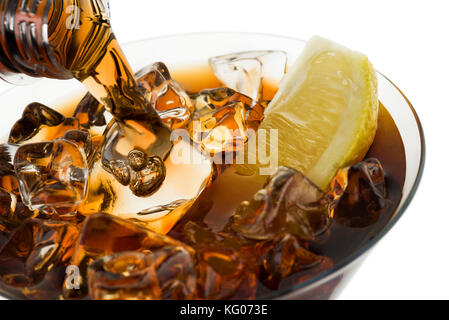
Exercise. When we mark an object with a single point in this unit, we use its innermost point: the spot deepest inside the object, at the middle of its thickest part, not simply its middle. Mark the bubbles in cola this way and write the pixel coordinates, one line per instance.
(246, 72)
(52, 176)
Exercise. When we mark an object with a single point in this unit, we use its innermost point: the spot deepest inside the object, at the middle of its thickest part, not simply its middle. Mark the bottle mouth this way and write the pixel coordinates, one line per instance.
(24, 40)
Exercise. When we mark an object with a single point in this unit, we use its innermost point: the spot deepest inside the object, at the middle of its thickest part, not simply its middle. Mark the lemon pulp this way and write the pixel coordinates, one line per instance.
(325, 112)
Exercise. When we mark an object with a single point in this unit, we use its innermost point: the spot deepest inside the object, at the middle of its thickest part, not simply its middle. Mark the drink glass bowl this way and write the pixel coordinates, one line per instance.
(195, 49)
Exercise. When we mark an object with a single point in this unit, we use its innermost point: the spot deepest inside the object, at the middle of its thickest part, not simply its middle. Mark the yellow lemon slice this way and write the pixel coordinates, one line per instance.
(325, 111)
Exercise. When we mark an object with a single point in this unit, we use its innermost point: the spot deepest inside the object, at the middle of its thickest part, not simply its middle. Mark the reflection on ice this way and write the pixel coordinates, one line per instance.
(246, 71)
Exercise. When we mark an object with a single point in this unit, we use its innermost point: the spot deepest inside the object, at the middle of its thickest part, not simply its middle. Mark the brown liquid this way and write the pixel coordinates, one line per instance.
(91, 53)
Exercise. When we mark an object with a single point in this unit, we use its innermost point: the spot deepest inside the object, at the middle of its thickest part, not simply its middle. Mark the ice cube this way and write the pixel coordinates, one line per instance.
(34, 117)
(159, 194)
(82, 138)
(8, 180)
(224, 119)
(52, 176)
(224, 273)
(4, 233)
(124, 276)
(167, 96)
(282, 257)
(12, 214)
(226, 267)
(40, 123)
(167, 273)
(175, 270)
(68, 124)
(322, 292)
(361, 192)
(33, 261)
(198, 235)
(103, 235)
(184, 181)
(91, 145)
(7, 152)
(12, 210)
(289, 203)
(246, 72)
(90, 112)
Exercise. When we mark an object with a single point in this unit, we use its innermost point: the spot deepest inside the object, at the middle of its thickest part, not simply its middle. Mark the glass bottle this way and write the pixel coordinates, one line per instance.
(49, 38)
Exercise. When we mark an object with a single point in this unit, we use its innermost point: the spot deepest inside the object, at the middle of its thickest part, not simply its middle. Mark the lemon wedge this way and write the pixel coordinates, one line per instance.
(325, 111)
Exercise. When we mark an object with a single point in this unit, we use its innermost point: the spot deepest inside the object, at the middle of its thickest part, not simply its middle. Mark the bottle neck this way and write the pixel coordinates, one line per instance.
(25, 29)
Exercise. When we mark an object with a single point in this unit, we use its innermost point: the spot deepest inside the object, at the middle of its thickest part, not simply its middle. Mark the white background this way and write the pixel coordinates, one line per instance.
(407, 41)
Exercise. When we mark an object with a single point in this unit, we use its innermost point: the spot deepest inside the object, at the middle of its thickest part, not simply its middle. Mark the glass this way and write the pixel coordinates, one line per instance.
(196, 49)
